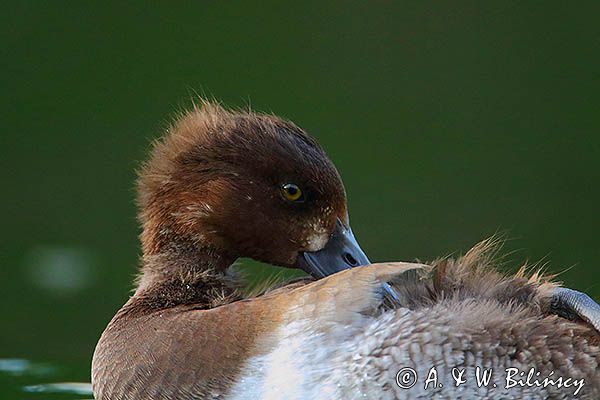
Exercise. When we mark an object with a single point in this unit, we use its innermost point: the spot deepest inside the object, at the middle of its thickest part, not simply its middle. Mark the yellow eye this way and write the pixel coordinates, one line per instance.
(292, 192)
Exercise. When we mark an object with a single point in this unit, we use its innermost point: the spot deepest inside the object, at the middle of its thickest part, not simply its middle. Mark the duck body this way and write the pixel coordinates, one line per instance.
(460, 321)
(222, 185)
(330, 340)
(175, 353)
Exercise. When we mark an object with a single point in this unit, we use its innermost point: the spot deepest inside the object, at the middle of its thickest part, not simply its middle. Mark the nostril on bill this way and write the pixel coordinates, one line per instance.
(350, 260)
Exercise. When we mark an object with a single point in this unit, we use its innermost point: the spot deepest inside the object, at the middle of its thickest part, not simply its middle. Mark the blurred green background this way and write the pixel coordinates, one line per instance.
(448, 122)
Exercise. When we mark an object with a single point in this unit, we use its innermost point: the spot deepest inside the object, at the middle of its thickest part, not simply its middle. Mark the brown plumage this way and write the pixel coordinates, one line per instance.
(213, 191)
(210, 193)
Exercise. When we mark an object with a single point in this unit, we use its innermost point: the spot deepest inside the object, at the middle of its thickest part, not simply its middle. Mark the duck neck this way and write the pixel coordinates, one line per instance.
(184, 272)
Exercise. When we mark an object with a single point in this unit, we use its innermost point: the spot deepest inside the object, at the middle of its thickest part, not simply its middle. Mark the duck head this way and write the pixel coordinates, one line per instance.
(222, 185)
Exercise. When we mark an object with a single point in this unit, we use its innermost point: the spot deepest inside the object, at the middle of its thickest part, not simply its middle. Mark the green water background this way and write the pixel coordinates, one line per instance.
(448, 122)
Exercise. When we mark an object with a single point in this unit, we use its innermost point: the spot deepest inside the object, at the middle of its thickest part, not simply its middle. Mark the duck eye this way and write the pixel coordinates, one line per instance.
(292, 192)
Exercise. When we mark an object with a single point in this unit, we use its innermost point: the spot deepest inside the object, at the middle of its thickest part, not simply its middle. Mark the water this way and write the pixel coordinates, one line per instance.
(70, 388)
(27, 379)
(447, 124)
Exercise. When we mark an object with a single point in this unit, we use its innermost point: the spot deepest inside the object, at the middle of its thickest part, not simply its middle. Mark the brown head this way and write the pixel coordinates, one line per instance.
(240, 184)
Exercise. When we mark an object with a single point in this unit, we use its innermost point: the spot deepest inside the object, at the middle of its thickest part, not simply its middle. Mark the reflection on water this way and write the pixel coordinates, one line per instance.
(14, 366)
(79, 388)
(61, 269)
(23, 379)
(19, 367)
(55, 275)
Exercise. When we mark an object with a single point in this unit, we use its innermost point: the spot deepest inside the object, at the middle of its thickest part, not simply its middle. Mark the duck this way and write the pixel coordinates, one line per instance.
(225, 184)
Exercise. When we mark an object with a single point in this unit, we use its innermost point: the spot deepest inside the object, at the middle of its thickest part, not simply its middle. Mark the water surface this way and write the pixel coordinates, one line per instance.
(448, 123)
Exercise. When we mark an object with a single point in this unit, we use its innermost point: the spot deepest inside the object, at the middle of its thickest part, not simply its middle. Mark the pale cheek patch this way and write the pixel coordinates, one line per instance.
(318, 236)
(317, 242)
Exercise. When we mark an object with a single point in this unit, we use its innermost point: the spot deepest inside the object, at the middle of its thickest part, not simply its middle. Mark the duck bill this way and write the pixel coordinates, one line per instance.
(340, 253)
